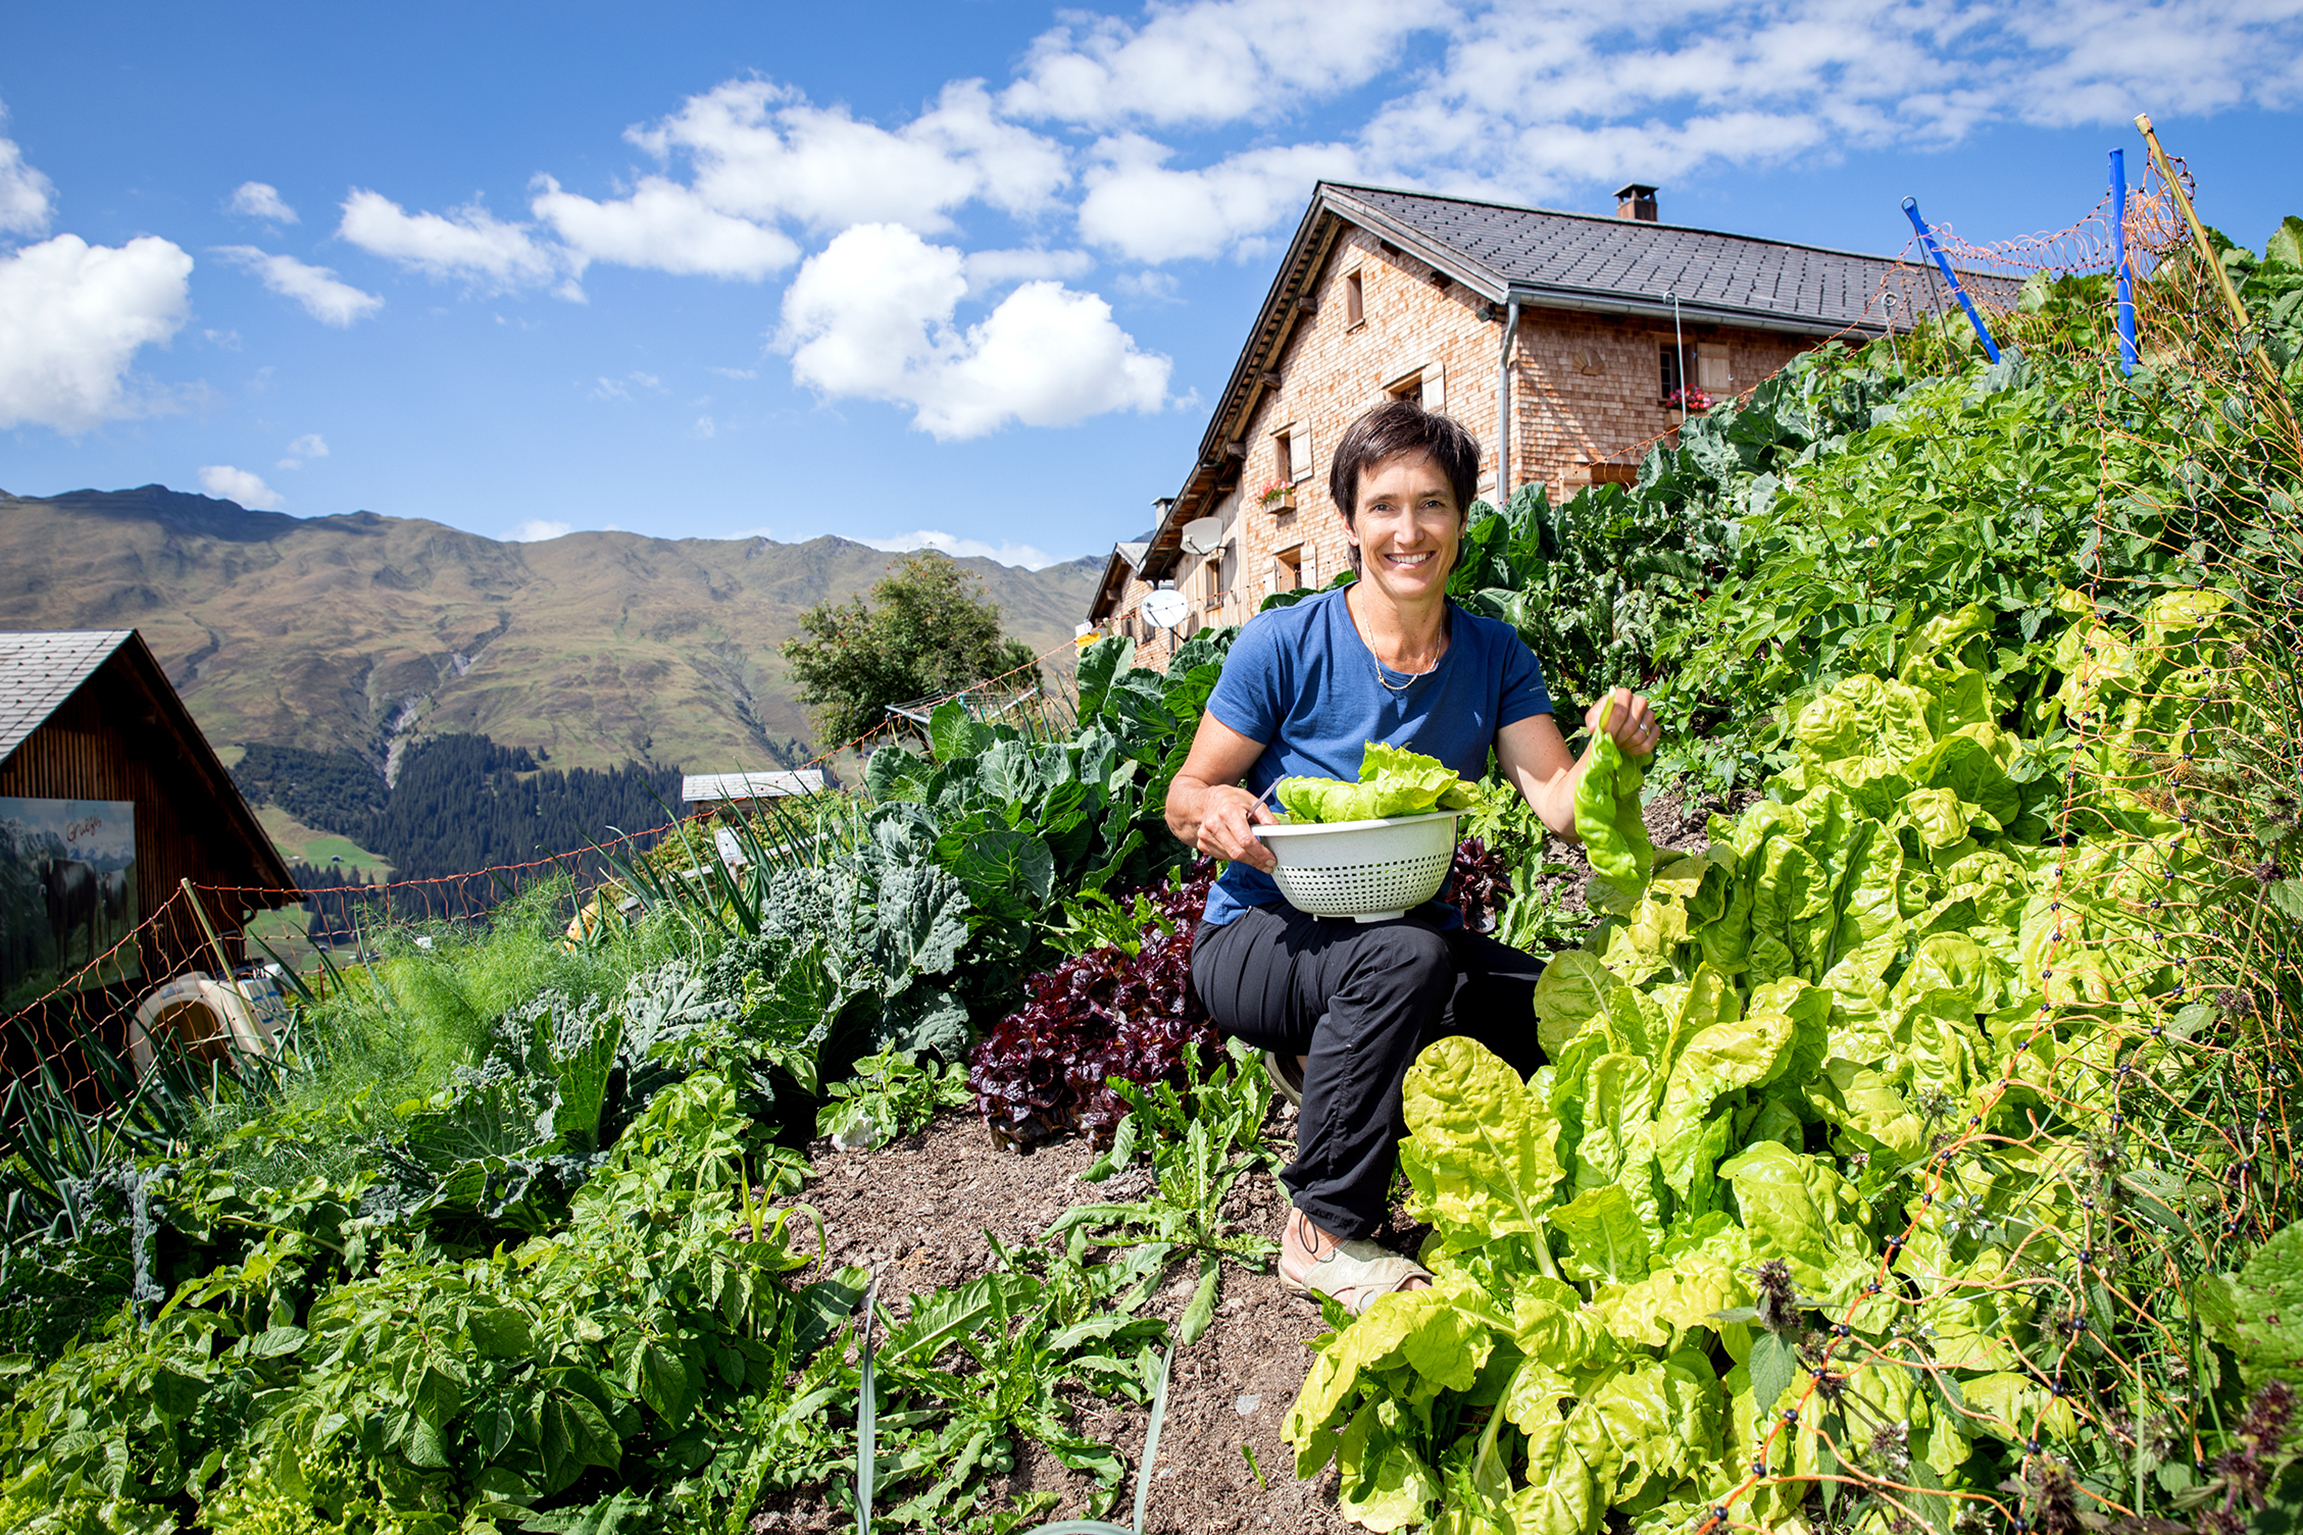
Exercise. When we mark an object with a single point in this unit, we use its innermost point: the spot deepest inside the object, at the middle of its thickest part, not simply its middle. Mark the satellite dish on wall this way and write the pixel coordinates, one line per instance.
(1199, 535)
(1166, 607)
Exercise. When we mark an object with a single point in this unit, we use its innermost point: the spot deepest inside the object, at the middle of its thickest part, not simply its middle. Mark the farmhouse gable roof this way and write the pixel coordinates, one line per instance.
(1581, 260)
(1544, 259)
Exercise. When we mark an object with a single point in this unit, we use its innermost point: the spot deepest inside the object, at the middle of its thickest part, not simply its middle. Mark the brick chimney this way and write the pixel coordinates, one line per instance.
(1635, 201)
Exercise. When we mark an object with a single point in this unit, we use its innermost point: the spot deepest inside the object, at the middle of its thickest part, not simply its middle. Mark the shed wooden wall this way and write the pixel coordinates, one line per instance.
(111, 740)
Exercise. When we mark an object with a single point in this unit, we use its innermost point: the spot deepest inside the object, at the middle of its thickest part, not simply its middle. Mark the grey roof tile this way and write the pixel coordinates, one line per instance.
(40, 669)
(1626, 258)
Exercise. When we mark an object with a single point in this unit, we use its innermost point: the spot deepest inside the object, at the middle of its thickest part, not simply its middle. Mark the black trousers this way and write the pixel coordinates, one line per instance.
(1361, 1000)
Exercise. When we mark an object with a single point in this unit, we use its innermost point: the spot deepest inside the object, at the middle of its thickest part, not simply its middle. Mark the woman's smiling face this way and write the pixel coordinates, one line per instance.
(1407, 527)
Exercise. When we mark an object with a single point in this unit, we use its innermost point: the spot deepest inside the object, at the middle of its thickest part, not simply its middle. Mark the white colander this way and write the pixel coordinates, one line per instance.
(1371, 870)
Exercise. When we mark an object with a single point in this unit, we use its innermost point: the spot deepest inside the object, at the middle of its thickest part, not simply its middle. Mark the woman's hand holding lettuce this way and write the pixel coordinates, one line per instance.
(1607, 812)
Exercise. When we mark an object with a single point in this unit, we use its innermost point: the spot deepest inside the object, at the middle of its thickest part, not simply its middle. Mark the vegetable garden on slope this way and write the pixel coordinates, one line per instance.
(1914, 1156)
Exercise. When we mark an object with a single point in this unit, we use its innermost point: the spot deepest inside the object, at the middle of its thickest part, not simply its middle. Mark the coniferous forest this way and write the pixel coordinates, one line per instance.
(461, 803)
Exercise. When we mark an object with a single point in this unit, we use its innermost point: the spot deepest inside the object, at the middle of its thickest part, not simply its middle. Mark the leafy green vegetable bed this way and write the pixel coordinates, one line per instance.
(1901, 1156)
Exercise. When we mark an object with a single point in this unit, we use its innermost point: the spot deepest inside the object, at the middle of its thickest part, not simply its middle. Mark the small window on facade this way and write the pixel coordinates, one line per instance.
(1670, 372)
(1713, 375)
(1423, 386)
(1354, 299)
(1287, 570)
(1291, 454)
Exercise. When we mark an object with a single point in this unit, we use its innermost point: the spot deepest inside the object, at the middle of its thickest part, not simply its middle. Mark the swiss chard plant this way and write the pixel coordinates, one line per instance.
(1718, 1194)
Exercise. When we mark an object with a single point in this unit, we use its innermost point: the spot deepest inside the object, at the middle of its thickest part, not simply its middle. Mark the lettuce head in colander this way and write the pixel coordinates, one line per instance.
(1392, 781)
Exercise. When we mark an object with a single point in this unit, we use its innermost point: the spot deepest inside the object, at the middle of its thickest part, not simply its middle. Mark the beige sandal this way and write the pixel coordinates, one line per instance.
(1352, 1274)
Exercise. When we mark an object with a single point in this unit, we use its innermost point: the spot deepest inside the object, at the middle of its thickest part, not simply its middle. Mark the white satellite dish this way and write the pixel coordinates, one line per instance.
(1199, 535)
(1166, 608)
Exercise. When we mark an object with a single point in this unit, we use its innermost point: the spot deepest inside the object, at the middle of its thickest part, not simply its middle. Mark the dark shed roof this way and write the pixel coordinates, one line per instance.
(40, 670)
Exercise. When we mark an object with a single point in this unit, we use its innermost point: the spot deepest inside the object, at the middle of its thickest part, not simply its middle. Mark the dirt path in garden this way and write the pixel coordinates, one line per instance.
(917, 1210)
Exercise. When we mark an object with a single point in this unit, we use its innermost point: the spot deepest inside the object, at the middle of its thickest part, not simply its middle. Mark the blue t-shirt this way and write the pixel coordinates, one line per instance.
(1302, 681)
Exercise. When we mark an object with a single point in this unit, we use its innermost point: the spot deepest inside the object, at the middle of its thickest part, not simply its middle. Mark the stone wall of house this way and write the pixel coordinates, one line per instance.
(1588, 389)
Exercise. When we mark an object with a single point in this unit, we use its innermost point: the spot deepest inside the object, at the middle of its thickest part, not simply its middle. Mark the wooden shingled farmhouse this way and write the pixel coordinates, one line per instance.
(110, 797)
(1567, 343)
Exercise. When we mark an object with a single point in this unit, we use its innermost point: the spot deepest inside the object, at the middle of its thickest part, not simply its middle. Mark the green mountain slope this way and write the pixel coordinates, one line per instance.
(367, 632)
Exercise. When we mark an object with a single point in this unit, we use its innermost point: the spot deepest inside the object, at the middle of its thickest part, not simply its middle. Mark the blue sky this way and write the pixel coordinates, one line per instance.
(968, 272)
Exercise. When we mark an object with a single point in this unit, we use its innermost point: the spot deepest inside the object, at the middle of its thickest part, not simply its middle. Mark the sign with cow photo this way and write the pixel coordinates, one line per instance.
(67, 894)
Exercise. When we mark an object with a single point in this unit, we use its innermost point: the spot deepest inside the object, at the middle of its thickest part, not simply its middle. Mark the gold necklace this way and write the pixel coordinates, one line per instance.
(1412, 677)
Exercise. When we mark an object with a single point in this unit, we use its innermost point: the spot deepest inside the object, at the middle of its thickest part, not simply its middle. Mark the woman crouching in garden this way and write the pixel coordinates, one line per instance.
(1343, 1007)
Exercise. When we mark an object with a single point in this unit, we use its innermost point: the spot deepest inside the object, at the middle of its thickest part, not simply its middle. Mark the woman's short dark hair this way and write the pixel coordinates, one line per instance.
(1403, 426)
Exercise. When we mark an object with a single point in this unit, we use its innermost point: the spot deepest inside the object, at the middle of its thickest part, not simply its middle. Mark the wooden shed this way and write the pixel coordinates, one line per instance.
(110, 797)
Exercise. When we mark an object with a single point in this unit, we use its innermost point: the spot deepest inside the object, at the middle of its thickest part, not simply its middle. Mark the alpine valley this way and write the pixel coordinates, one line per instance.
(367, 634)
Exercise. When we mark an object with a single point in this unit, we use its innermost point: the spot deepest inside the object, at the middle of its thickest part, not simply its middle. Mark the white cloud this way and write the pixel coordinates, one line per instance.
(72, 316)
(704, 427)
(239, 485)
(872, 316)
(27, 198)
(1148, 287)
(1139, 208)
(310, 445)
(737, 372)
(761, 151)
(1603, 91)
(260, 200)
(536, 530)
(1610, 90)
(664, 226)
(324, 297)
(1213, 61)
(470, 243)
(997, 268)
(620, 388)
(960, 548)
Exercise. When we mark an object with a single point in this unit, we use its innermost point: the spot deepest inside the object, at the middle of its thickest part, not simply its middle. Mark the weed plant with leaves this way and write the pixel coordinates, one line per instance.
(1198, 1145)
(889, 1095)
(975, 1369)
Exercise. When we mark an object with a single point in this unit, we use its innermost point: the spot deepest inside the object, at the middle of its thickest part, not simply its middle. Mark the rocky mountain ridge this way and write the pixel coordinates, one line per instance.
(364, 632)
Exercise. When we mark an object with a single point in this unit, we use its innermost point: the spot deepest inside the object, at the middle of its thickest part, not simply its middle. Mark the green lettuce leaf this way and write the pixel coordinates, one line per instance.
(1482, 1152)
(1607, 813)
(1605, 1238)
(1327, 800)
(1392, 781)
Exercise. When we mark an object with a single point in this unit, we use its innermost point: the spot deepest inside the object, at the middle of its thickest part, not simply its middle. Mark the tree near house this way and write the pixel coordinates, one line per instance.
(924, 629)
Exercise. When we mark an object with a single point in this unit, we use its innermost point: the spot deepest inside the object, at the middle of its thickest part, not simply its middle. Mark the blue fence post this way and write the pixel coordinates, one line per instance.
(1927, 238)
(2121, 273)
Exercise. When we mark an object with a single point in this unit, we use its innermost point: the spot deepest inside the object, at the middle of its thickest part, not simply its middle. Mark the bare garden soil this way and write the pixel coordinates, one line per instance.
(916, 1213)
